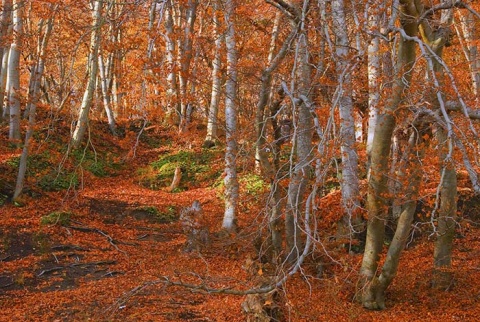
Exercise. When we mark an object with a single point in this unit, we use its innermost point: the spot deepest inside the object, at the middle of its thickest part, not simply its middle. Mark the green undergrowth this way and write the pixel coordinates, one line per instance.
(100, 164)
(197, 167)
(153, 214)
(62, 218)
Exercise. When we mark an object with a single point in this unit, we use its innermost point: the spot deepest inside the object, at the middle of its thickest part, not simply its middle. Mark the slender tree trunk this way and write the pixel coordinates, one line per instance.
(302, 170)
(5, 30)
(13, 74)
(106, 95)
(212, 124)
(185, 61)
(437, 39)
(471, 50)
(377, 202)
(373, 296)
(173, 106)
(351, 221)
(231, 180)
(442, 276)
(35, 81)
(261, 158)
(82, 122)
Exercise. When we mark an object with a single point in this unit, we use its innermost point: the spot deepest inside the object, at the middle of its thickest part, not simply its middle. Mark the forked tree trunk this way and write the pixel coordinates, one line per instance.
(82, 122)
(106, 95)
(373, 296)
(377, 204)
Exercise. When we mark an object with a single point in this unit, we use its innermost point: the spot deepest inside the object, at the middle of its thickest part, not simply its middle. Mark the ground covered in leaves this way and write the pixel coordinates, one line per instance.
(102, 242)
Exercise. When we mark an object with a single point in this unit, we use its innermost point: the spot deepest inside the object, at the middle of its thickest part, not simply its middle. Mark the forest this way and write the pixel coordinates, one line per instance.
(225, 160)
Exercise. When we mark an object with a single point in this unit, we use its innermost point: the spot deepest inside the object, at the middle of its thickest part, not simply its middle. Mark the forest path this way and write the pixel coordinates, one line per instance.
(107, 262)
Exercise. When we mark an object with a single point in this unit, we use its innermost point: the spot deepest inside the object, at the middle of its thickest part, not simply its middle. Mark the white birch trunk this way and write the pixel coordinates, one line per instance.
(349, 182)
(212, 124)
(231, 180)
(5, 30)
(13, 74)
(104, 79)
(83, 118)
(185, 58)
(173, 107)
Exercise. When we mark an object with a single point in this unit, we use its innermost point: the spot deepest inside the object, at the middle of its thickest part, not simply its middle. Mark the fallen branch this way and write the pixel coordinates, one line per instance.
(112, 241)
(82, 265)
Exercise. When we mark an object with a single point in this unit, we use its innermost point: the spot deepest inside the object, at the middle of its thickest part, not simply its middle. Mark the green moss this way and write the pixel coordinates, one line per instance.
(196, 167)
(253, 184)
(57, 217)
(99, 164)
(168, 215)
(151, 210)
(152, 214)
(55, 181)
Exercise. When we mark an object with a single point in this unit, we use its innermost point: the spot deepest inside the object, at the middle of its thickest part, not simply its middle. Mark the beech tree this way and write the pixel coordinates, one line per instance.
(45, 27)
(212, 118)
(5, 32)
(83, 118)
(13, 73)
(415, 31)
(231, 180)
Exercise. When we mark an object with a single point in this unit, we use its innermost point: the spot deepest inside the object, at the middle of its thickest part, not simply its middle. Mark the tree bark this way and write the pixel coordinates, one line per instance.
(5, 30)
(82, 122)
(351, 222)
(104, 81)
(173, 106)
(231, 180)
(302, 170)
(377, 201)
(35, 81)
(212, 122)
(13, 74)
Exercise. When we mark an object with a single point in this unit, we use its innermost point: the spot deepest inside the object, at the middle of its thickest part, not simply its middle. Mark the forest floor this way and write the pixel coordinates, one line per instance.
(97, 253)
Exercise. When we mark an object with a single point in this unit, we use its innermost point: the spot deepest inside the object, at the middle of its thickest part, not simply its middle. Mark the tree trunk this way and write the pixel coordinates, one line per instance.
(82, 122)
(185, 58)
(351, 221)
(13, 74)
(231, 181)
(373, 296)
(303, 134)
(442, 276)
(377, 203)
(106, 95)
(5, 30)
(173, 106)
(437, 39)
(471, 50)
(35, 81)
(212, 124)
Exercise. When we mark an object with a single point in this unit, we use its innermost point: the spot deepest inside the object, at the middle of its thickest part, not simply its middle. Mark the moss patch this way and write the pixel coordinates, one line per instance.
(197, 168)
